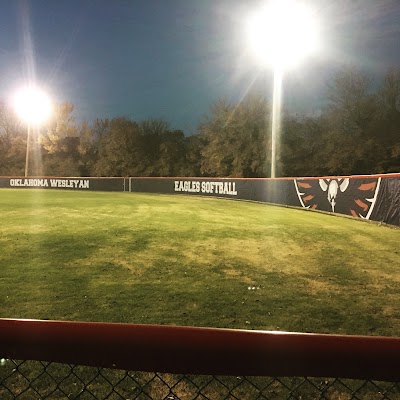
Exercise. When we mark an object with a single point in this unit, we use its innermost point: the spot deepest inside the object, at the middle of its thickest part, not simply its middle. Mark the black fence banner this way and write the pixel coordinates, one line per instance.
(387, 207)
(370, 197)
(374, 197)
(95, 184)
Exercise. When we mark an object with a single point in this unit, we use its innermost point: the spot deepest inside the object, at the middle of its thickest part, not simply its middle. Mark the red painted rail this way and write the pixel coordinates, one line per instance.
(208, 351)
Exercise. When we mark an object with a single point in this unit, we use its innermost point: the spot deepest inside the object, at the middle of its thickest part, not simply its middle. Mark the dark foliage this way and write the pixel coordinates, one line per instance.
(357, 133)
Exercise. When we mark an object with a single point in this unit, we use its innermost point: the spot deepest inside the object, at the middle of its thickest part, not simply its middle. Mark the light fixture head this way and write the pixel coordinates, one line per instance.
(32, 105)
(282, 33)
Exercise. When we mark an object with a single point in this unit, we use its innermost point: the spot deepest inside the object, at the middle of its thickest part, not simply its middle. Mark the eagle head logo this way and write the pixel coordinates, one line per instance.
(332, 186)
(350, 196)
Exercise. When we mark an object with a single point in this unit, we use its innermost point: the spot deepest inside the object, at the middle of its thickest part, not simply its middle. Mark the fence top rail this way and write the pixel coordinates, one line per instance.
(59, 177)
(191, 350)
(387, 175)
(204, 178)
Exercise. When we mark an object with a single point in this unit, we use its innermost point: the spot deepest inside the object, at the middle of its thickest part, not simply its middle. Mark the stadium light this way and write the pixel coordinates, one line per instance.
(281, 34)
(33, 106)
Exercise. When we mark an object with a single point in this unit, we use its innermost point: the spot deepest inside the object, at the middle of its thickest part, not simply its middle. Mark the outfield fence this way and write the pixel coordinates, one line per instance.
(370, 197)
(65, 360)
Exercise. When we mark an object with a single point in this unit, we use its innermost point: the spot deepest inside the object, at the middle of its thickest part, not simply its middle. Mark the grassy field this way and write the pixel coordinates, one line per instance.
(195, 261)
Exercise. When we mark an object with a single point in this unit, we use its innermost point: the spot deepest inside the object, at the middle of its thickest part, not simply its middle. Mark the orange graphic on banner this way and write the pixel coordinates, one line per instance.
(354, 214)
(368, 186)
(304, 185)
(361, 204)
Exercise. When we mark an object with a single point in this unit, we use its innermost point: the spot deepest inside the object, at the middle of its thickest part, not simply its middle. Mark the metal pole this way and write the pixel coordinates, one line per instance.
(276, 119)
(27, 150)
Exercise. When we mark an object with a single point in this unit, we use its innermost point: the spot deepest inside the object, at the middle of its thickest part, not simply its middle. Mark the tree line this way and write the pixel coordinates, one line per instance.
(357, 132)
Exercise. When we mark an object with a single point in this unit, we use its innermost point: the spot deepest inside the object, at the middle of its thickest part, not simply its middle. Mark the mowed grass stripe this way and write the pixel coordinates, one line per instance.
(182, 260)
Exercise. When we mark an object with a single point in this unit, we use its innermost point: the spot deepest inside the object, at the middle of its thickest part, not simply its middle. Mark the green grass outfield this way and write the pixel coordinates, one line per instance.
(181, 260)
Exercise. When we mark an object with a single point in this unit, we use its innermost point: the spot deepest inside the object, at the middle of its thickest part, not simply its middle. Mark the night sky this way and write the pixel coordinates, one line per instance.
(173, 59)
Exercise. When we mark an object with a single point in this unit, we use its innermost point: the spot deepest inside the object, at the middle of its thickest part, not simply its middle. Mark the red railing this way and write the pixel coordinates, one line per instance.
(188, 350)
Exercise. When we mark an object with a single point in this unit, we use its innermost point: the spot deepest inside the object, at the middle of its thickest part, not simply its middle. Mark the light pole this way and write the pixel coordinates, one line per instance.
(276, 120)
(28, 139)
(281, 33)
(33, 106)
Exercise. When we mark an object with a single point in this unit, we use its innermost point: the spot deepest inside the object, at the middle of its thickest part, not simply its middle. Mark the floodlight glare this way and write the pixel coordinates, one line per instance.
(282, 32)
(32, 105)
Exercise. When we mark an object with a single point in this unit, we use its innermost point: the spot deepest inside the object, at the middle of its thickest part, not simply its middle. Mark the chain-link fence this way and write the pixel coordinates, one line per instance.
(26, 380)
(81, 360)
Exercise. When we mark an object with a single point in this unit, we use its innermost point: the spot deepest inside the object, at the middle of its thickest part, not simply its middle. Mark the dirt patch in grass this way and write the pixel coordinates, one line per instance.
(317, 286)
(267, 254)
(231, 273)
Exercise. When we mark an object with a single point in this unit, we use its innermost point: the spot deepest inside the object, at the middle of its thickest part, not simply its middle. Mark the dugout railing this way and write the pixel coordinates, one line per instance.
(83, 360)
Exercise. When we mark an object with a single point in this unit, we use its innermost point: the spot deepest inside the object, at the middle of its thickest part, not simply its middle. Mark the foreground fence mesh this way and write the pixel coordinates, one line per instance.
(27, 380)
(86, 360)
